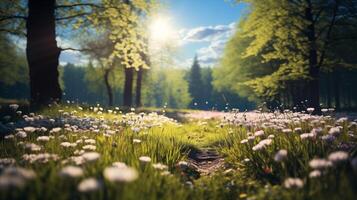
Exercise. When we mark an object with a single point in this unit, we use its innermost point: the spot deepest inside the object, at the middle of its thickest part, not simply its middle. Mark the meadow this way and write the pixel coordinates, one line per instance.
(73, 152)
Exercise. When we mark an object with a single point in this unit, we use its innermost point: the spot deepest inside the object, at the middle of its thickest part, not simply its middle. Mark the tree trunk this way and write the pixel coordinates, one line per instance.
(108, 87)
(314, 94)
(337, 90)
(329, 104)
(138, 87)
(42, 53)
(128, 86)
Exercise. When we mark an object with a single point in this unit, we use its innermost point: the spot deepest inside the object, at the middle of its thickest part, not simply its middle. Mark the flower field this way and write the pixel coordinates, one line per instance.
(72, 152)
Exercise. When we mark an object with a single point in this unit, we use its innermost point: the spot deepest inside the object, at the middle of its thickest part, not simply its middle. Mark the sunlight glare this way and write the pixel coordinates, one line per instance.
(160, 29)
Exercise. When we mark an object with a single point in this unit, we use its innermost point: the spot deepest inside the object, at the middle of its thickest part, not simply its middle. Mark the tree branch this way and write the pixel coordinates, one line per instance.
(78, 4)
(74, 49)
(3, 18)
(73, 16)
(14, 32)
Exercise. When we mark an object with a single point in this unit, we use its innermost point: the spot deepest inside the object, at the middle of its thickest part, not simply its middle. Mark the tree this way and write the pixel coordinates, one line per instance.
(295, 38)
(41, 48)
(195, 83)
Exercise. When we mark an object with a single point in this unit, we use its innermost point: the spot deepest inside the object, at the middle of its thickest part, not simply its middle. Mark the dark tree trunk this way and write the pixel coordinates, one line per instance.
(138, 87)
(329, 104)
(314, 88)
(337, 90)
(108, 87)
(42, 52)
(128, 86)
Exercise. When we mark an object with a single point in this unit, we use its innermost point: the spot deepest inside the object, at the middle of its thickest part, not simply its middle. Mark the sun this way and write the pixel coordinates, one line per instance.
(160, 29)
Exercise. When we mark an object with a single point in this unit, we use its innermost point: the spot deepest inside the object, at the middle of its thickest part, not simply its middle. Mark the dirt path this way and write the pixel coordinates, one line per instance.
(205, 161)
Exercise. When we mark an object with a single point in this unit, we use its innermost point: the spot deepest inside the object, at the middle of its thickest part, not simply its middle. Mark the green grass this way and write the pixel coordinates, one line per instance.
(169, 143)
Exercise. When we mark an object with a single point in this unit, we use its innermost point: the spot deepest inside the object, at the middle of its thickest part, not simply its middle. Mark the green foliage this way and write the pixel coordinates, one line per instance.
(166, 87)
(13, 67)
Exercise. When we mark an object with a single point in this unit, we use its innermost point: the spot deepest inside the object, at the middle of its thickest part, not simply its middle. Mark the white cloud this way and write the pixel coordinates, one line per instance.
(215, 36)
(207, 33)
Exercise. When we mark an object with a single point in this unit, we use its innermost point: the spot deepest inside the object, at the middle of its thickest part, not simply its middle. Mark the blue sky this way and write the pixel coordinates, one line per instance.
(203, 26)
(208, 24)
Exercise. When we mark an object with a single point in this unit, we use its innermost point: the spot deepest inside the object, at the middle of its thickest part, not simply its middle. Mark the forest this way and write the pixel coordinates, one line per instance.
(178, 99)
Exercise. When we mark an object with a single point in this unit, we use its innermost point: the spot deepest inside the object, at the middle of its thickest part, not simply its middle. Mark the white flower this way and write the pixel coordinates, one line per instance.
(15, 177)
(160, 166)
(68, 144)
(91, 156)
(21, 134)
(310, 110)
(8, 137)
(40, 158)
(43, 139)
(338, 156)
(5, 162)
(293, 183)
(315, 174)
(71, 171)
(137, 141)
(89, 185)
(89, 141)
(32, 147)
(89, 147)
(281, 155)
(114, 174)
(14, 106)
(56, 130)
(244, 141)
(287, 130)
(259, 133)
(145, 159)
(29, 129)
(318, 163)
(335, 131)
(305, 136)
(262, 144)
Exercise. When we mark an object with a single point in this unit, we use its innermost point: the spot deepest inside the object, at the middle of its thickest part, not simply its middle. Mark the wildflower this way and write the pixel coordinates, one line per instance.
(262, 144)
(315, 174)
(71, 172)
(259, 133)
(281, 155)
(137, 141)
(29, 129)
(21, 134)
(271, 136)
(89, 147)
(5, 162)
(305, 136)
(293, 183)
(145, 159)
(114, 174)
(160, 166)
(14, 107)
(15, 177)
(287, 130)
(338, 156)
(40, 158)
(32, 147)
(43, 139)
(56, 130)
(88, 141)
(68, 144)
(91, 156)
(318, 163)
(298, 130)
(335, 131)
(89, 185)
(328, 138)
(310, 110)
(244, 141)
(135, 129)
(11, 136)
